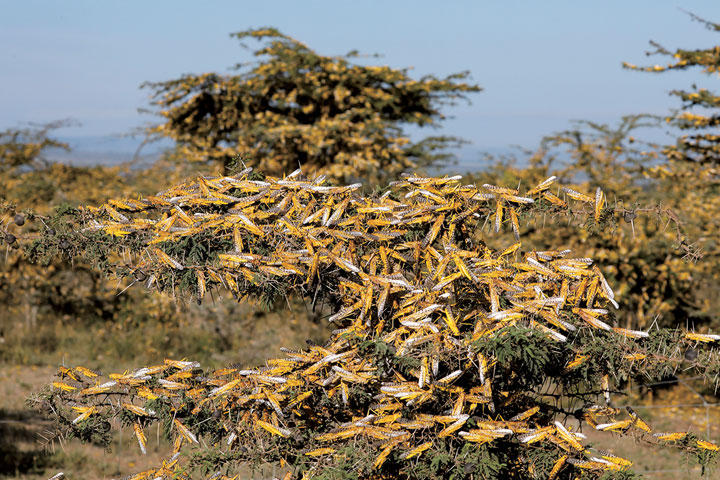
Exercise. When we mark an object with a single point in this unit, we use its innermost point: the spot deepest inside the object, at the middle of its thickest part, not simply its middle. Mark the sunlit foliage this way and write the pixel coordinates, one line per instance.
(698, 113)
(451, 359)
(295, 107)
(459, 352)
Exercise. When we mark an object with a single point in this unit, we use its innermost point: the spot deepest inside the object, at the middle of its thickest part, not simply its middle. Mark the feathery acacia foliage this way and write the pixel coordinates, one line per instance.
(297, 107)
(450, 359)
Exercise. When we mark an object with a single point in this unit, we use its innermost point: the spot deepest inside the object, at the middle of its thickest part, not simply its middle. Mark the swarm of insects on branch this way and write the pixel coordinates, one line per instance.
(449, 358)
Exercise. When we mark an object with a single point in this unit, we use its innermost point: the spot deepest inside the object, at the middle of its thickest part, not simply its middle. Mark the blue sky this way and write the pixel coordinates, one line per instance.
(541, 64)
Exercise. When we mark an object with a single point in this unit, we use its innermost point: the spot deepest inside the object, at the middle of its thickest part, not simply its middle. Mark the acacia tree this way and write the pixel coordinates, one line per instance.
(450, 359)
(295, 107)
(26, 146)
(680, 180)
(701, 148)
(686, 172)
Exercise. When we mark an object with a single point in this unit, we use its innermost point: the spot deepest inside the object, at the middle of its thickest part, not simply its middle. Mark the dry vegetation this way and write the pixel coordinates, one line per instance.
(652, 234)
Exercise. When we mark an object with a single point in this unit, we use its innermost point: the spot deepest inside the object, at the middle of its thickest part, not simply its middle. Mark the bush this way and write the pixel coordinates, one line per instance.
(450, 359)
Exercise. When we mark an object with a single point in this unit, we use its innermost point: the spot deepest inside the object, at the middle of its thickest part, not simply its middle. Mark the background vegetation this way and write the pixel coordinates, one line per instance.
(344, 120)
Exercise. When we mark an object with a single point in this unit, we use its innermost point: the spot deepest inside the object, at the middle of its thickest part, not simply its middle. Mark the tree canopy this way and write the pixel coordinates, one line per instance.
(702, 146)
(296, 108)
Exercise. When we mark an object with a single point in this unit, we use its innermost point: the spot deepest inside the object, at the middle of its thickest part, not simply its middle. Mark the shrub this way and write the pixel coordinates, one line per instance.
(450, 359)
